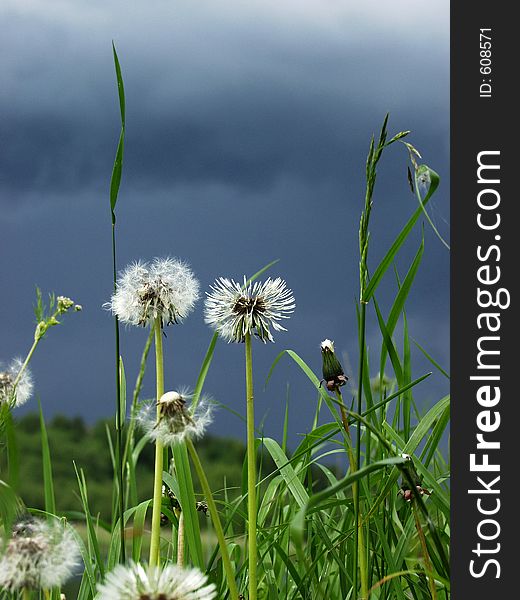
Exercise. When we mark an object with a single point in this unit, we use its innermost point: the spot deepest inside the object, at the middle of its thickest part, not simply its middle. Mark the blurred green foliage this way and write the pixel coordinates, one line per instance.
(71, 440)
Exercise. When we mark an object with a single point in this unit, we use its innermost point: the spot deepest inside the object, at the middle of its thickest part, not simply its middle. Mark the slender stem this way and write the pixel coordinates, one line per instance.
(427, 562)
(25, 363)
(359, 533)
(359, 537)
(26, 594)
(119, 420)
(251, 470)
(217, 525)
(180, 539)
(157, 485)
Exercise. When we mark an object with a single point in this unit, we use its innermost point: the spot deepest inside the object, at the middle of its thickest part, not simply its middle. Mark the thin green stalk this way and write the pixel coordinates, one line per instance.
(157, 485)
(119, 420)
(359, 537)
(217, 525)
(251, 470)
(359, 534)
(25, 363)
(426, 556)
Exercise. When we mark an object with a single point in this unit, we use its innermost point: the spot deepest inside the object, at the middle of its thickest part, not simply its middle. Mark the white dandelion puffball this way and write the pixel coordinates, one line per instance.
(134, 582)
(24, 388)
(171, 421)
(39, 554)
(164, 289)
(236, 310)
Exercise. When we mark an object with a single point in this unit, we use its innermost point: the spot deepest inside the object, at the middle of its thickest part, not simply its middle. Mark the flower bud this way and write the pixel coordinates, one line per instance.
(333, 373)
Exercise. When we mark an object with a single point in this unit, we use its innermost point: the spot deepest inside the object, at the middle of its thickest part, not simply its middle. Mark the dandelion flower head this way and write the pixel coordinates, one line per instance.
(24, 387)
(171, 420)
(39, 554)
(236, 311)
(164, 289)
(134, 582)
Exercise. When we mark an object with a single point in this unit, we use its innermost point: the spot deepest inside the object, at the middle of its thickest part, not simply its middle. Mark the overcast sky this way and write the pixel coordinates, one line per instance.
(248, 125)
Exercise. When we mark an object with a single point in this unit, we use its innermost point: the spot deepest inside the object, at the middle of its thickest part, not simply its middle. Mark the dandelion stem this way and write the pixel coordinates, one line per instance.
(159, 454)
(251, 469)
(217, 525)
(360, 541)
(180, 539)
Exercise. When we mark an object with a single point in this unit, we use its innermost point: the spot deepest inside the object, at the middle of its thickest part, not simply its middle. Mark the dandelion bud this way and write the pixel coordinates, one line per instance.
(333, 373)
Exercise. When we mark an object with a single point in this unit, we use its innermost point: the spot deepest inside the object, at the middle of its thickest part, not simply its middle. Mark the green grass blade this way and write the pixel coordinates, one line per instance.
(400, 239)
(91, 530)
(48, 485)
(432, 360)
(188, 501)
(118, 161)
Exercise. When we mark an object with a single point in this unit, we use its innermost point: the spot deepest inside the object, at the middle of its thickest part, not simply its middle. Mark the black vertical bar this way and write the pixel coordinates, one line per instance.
(485, 526)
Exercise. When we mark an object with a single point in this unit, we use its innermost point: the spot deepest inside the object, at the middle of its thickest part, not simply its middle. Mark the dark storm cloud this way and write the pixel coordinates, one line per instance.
(230, 100)
(247, 132)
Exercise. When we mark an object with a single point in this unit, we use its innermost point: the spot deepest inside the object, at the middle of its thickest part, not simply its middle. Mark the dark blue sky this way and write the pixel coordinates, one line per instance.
(247, 132)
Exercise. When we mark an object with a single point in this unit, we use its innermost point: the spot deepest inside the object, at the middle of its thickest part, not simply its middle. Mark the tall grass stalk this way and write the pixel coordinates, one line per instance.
(251, 472)
(217, 525)
(114, 191)
(159, 451)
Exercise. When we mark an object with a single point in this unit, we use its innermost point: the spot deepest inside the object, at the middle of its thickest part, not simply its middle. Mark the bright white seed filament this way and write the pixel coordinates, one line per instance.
(39, 555)
(174, 421)
(24, 387)
(164, 289)
(236, 310)
(135, 582)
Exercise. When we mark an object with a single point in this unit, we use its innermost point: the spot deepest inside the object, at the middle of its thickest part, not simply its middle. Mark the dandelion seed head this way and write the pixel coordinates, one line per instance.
(166, 288)
(236, 311)
(171, 420)
(24, 387)
(134, 582)
(39, 554)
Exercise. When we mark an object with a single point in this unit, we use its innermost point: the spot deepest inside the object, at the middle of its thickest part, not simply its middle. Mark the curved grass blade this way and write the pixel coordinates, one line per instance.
(48, 485)
(405, 232)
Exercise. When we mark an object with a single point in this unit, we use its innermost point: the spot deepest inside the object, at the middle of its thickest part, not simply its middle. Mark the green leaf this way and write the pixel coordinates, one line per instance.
(118, 161)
